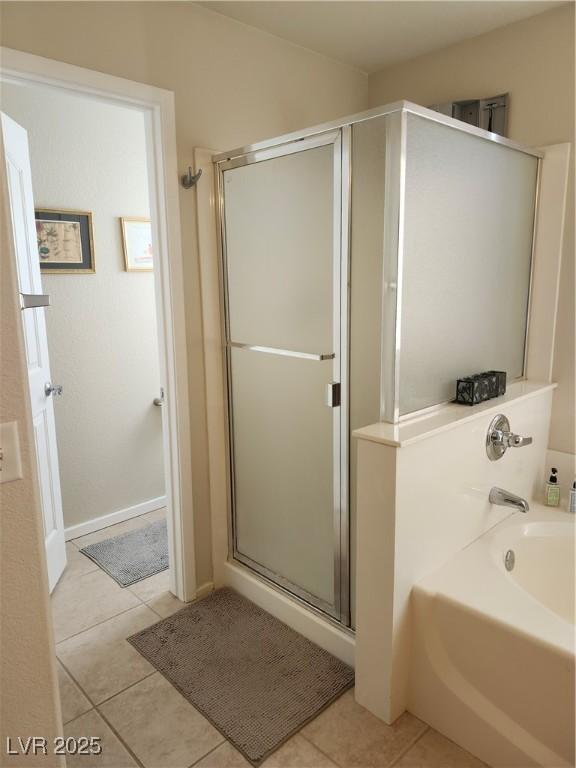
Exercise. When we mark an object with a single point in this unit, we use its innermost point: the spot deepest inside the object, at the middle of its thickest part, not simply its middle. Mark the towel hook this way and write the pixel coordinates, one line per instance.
(190, 179)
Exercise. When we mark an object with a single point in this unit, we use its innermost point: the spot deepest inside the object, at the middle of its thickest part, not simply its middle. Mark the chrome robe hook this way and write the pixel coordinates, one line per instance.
(190, 179)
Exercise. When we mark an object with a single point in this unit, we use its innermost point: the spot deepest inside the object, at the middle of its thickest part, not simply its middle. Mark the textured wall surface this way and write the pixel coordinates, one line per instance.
(101, 327)
(532, 60)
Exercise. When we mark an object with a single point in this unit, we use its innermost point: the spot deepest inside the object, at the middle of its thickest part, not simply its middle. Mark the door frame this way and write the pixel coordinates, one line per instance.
(339, 140)
(157, 105)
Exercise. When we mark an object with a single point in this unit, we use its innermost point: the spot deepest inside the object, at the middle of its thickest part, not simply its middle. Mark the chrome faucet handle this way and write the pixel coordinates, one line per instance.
(500, 438)
(517, 441)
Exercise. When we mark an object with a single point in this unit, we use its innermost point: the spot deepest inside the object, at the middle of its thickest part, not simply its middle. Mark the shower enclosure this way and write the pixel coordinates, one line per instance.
(365, 265)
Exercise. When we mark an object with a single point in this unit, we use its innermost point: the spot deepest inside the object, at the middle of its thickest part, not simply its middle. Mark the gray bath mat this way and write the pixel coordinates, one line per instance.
(255, 679)
(132, 556)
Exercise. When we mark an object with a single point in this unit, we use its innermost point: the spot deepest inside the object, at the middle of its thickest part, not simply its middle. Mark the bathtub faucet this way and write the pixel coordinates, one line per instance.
(506, 499)
(500, 437)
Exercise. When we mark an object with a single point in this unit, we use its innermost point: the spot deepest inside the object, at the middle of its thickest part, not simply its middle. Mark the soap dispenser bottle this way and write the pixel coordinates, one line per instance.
(552, 495)
(572, 499)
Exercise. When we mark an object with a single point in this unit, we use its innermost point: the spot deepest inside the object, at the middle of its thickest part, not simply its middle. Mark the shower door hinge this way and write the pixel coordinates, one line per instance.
(333, 394)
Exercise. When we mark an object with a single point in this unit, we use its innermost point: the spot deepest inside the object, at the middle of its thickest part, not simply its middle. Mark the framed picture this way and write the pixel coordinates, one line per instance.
(137, 244)
(65, 241)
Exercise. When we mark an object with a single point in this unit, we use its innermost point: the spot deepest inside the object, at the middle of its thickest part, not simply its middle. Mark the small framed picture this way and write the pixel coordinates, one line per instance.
(65, 241)
(137, 244)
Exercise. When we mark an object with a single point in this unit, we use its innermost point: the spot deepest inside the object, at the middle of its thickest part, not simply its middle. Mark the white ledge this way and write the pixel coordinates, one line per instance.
(446, 417)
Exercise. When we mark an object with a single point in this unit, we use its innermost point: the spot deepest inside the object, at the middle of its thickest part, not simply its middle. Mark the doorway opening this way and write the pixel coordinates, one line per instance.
(93, 611)
(94, 235)
(103, 162)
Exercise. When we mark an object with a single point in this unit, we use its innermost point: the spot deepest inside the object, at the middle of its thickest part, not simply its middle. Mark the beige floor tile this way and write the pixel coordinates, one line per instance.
(101, 659)
(156, 514)
(77, 564)
(159, 725)
(113, 755)
(116, 530)
(436, 751)
(153, 586)
(72, 700)
(224, 756)
(354, 738)
(298, 753)
(86, 600)
(166, 604)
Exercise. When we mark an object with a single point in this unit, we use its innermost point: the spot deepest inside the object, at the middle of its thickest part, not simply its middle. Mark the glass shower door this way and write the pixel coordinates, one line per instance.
(282, 279)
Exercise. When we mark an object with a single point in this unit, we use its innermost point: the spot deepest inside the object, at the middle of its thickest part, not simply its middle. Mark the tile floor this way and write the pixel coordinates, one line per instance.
(109, 690)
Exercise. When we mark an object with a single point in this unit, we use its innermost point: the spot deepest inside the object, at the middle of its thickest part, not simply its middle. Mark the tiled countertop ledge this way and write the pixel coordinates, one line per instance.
(446, 417)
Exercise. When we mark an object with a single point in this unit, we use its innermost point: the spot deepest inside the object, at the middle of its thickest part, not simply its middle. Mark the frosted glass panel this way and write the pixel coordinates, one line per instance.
(283, 476)
(282, 270)
(279, 240)
(469, 212)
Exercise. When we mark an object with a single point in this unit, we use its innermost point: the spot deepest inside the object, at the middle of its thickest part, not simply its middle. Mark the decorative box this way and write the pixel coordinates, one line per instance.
(497, 382)
(472, 390)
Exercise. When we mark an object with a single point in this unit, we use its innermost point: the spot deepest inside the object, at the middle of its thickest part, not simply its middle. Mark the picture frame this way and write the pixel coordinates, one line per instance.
(137, 244)
(65, 241)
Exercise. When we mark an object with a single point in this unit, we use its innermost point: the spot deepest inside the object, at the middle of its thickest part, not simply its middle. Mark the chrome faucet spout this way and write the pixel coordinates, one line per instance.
(507, 499)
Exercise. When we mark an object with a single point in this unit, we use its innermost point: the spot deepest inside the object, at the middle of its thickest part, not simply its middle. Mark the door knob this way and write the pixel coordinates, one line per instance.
(53, 389)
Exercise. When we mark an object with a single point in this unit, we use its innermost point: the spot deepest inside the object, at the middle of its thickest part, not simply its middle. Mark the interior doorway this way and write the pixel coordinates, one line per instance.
(56, 98)
(92, 219)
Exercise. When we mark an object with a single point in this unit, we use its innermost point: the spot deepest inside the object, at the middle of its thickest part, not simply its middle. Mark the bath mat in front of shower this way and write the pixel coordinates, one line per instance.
(132, 556)
(254, 678)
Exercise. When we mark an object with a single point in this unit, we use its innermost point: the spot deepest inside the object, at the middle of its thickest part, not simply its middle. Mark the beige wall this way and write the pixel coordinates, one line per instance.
(101, 327)
(29, 701)
(532, 60)
(233, 85)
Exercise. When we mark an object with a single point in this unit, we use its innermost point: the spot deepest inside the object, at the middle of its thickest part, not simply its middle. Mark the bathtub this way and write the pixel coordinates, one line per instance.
(493, 649)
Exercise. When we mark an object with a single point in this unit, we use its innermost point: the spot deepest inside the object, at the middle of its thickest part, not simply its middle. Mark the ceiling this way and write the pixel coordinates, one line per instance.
(373, 35)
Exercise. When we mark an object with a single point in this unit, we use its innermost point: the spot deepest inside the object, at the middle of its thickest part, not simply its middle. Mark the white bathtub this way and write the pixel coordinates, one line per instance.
(493, 650)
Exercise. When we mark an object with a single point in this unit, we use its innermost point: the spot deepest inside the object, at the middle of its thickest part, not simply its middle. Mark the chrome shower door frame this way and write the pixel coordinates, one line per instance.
(340, 140)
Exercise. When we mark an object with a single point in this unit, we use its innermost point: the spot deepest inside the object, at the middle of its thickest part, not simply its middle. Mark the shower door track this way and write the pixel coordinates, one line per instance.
(339, 613)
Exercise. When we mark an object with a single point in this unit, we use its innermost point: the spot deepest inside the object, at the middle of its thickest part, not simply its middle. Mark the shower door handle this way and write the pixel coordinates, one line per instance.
(282, 352)
(333, 394)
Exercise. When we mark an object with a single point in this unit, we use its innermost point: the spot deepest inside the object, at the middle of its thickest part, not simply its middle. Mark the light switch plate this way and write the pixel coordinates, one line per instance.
(10, 461)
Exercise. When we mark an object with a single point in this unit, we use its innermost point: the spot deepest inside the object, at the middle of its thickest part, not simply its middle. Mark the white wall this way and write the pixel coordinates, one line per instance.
(91, 156)
(421, 501)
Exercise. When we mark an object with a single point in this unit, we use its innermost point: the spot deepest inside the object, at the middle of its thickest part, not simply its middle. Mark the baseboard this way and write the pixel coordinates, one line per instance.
(327, 636)
(204, 589)
(565, 463)
(97, 523)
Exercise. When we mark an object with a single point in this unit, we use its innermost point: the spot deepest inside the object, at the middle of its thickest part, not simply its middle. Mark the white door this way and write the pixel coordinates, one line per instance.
(23, 231)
